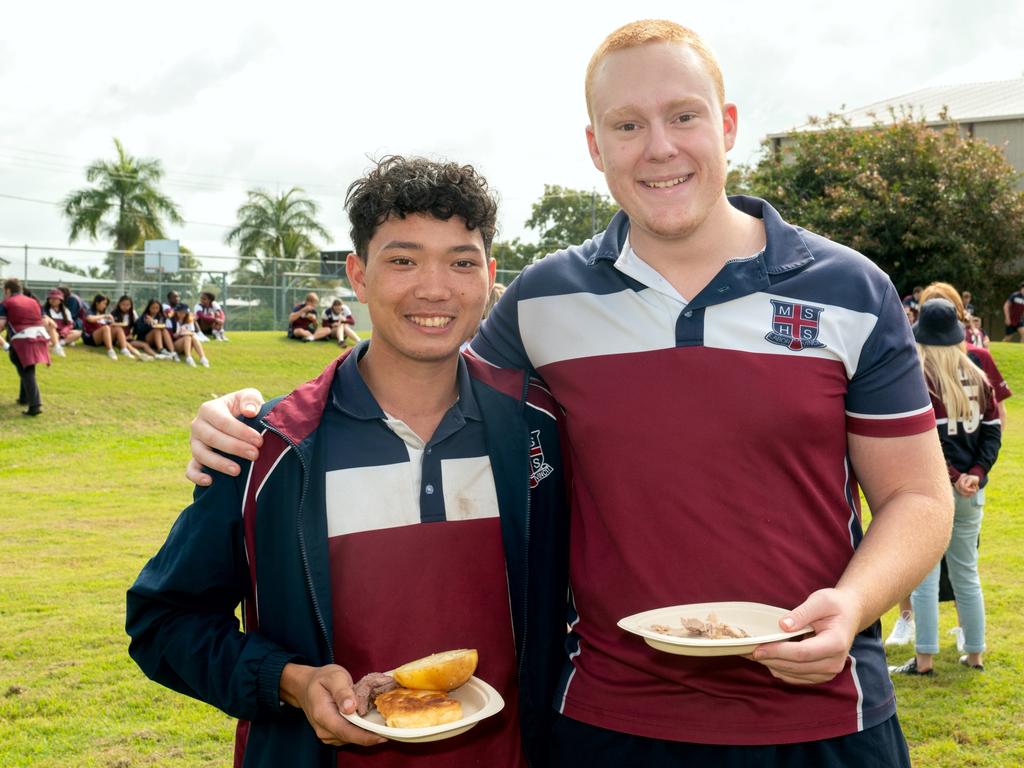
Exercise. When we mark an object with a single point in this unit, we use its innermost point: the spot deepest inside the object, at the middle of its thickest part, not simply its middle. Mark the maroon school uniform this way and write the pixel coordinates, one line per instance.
(24, 314)
(417, 562)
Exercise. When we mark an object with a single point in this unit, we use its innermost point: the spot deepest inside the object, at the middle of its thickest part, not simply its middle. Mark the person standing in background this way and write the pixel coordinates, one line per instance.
(23, 319)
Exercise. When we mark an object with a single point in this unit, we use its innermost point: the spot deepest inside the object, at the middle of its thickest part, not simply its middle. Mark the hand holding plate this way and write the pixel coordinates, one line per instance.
(834, 616)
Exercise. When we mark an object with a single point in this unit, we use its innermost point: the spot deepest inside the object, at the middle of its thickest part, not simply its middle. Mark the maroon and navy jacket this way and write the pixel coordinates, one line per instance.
(261, 539)
(970, 446)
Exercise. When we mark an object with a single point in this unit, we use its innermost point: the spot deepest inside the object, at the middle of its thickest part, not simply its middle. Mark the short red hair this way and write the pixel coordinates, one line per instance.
(653, 31)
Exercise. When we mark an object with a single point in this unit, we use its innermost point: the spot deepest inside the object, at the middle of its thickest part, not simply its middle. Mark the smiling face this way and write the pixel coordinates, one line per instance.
(660, 136)
(425, 282)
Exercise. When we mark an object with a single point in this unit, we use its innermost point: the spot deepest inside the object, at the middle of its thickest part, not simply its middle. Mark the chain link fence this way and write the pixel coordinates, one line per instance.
(248, 306)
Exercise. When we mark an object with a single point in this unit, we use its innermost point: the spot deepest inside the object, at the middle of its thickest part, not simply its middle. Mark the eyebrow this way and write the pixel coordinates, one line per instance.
(631, 109)
(411, 245)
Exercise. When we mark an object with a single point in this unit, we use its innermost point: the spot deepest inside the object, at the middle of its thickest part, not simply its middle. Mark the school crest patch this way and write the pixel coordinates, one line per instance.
(794, 326)
(539, 469)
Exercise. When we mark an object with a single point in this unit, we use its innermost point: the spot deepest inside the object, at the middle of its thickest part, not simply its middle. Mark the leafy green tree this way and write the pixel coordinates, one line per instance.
(124, 203)
(63, 266)
(275, 235)
(924, 204)
(562, 217)
(565, 217)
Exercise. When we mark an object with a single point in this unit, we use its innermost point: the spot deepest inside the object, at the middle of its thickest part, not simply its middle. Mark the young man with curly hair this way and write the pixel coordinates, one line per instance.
(405, 501)
(730, 381)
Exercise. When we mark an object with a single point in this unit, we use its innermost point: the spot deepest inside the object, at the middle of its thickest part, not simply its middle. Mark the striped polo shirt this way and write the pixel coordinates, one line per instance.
(416, 558)
(708, 436)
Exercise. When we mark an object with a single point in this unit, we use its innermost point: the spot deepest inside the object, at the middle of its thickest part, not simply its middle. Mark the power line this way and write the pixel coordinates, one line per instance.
(137, 216)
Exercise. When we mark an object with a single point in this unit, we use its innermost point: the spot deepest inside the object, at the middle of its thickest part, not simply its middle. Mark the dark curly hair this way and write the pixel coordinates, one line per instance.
(399, 186)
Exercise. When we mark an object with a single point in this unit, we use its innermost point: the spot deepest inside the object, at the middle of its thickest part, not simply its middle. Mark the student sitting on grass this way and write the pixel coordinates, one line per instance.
(183, 331)
(99, 329)
(151, 327)
(210, 316)
(303, 322)
(58, 317)
(125, 318)
(340, 320)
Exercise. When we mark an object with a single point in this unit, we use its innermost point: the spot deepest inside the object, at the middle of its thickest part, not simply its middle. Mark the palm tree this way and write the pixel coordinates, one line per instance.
(274, 235)
(124, 203)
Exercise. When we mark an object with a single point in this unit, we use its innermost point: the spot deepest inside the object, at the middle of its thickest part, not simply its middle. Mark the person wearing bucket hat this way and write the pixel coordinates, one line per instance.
(970, 434)
(903, 629)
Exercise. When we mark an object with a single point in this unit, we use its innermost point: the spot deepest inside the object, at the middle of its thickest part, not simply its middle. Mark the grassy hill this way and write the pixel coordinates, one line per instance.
(89, 489)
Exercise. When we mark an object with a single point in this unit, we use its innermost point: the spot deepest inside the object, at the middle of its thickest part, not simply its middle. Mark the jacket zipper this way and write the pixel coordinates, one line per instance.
(526, 537)
(302, 542)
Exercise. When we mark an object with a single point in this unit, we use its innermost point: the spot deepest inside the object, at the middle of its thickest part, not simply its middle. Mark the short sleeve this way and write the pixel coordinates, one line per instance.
(498, 341)
(887, 395)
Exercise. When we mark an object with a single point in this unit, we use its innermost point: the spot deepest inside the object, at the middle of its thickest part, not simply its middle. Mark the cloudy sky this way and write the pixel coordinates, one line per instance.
(231, 96)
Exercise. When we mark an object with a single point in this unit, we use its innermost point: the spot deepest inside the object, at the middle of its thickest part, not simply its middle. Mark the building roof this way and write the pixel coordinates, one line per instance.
(966, 103)
(39, 273)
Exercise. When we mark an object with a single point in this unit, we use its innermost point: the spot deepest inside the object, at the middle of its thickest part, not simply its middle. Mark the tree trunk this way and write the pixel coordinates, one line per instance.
(119, 273)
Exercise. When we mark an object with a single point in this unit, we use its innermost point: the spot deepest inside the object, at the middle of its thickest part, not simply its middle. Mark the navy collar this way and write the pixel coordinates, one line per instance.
(351, 396)
(785, 250)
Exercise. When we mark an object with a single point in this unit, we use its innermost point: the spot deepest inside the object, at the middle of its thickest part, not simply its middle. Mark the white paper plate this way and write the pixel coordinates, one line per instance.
(479, 701)
(760, 621)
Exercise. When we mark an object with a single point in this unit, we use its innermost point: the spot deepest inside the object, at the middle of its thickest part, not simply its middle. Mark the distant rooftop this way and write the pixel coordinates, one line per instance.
(967, 103)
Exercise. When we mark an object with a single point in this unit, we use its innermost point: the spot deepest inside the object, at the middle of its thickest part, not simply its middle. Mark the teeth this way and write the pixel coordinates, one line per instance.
(666, 184)
(431, 322)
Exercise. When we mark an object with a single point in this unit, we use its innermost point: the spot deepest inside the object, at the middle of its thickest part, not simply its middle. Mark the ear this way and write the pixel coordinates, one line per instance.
(595, 150)
(730, 124)
(355, 268)
(492, 265)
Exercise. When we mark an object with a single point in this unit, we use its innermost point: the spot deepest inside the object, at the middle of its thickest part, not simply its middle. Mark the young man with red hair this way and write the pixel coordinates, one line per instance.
(718, 436)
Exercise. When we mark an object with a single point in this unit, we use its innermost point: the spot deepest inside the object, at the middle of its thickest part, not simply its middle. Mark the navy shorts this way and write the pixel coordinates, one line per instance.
(576, 743)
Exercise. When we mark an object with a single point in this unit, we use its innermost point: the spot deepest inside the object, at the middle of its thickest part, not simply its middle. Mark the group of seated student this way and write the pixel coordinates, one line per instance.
(208, 316)
(159, 332)
(306, 324)
(146, 336)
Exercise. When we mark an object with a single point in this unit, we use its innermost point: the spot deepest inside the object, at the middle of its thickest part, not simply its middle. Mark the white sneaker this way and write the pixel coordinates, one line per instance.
(190, 362)
(959, 638)
(146, 358)
(308, 338)
(59, 351)
(223, 336)
(204, 362)
(175, 357)
(112, 355)
(201, 336)
(163, 354)
(126, 352)
(903, 632)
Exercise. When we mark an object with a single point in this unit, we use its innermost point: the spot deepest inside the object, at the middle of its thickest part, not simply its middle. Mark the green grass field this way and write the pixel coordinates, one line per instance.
(89, 489)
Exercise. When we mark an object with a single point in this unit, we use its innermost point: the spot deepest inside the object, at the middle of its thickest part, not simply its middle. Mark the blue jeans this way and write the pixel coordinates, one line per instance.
(962, 562)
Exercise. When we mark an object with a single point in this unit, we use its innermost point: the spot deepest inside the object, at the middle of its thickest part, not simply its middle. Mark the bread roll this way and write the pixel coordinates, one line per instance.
(405, 708)
(439, 672)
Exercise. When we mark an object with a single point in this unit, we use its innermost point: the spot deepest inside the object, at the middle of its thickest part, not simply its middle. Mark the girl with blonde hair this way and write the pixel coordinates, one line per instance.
(970, 434)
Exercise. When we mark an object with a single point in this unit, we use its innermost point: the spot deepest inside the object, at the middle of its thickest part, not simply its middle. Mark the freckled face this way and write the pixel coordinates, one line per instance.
(660, 137)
